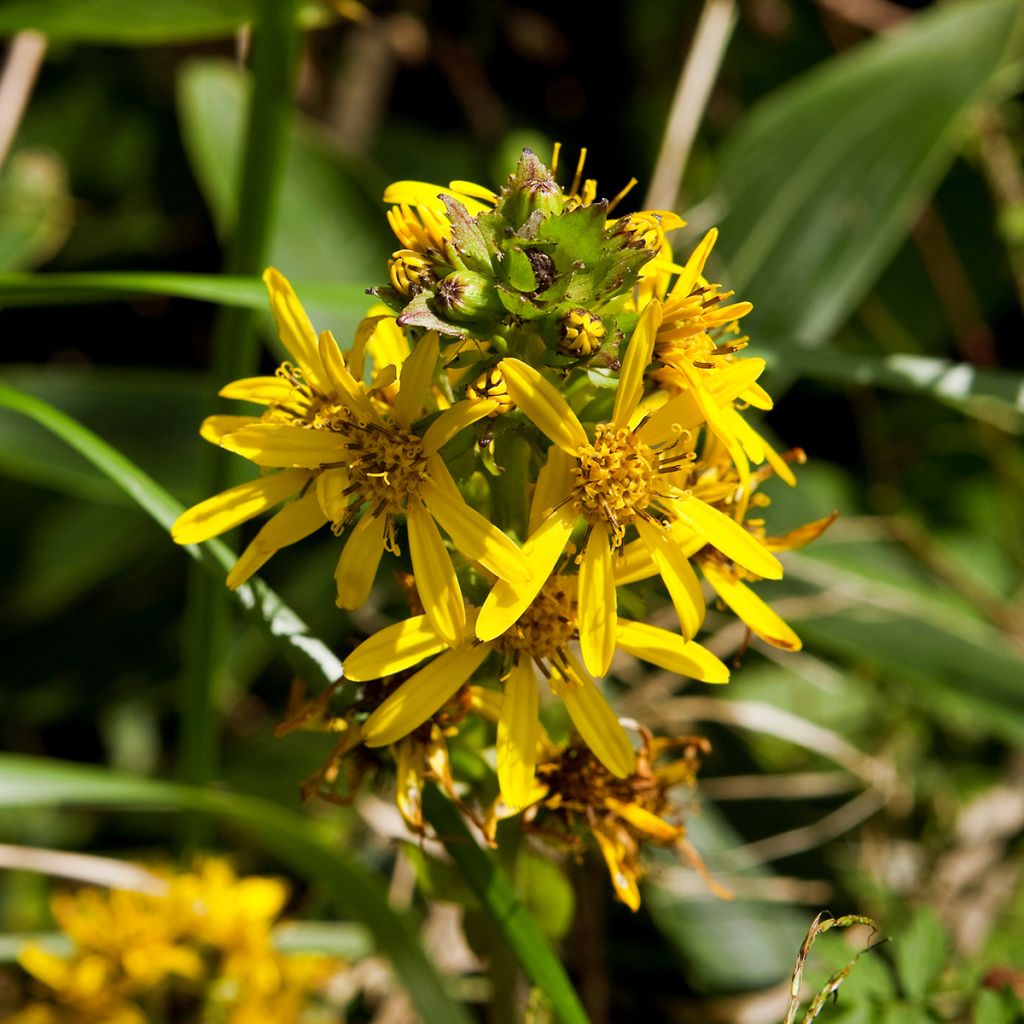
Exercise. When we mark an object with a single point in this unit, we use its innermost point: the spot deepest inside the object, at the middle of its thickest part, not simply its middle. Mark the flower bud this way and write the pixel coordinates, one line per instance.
(465, 295)
(409, 271)
(491, 385)
(581, 333)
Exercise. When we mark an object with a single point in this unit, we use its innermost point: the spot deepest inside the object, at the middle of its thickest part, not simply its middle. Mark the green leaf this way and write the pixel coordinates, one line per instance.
(39, 782)
(991, 1007)
(130, 23)
(35, 208)
(126, 22)
(920, 953)
(20, 289)
(821, 181)
(995, 395)
(329, 223)
(508, 914)
(309, 657)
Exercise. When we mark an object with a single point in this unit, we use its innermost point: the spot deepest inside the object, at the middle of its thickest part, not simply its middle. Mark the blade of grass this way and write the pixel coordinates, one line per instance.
(40, 782)
(308, 656)
(498, 896)
(235, 354)
(25, 289)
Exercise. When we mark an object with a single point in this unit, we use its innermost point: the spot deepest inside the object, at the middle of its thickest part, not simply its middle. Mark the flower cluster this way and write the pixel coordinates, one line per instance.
(198, 948)
(546, 408)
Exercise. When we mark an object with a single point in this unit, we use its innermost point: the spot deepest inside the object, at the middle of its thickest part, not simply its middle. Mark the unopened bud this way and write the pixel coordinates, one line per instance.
(465, 295)
(491, 385)
(409, 271)
(582, 333)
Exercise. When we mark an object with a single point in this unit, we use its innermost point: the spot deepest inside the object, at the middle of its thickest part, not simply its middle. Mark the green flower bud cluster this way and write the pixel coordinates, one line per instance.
(543, 272)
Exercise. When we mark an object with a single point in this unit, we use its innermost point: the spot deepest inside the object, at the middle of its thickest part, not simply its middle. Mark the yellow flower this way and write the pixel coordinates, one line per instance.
(621, 814)
(347, 459)
(539, 641)
(717, 482)
(631, 474)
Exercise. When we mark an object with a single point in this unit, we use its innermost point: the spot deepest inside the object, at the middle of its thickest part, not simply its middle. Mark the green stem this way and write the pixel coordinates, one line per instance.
(235, 354)
(511, 919)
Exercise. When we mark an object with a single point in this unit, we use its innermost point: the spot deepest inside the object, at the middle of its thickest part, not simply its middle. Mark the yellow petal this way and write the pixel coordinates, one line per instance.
(756, 396)
(295, 330)
(394, 649)
(284, 444)
(553, 483)
(472, 189)
(216, 428)
(542, 403)
(680, 579)
(518, 732)
(410, 762)
(486, 703)
(757, 615)
(801, 536)
(507, 601)
(357, 566)
(435, 575)
(454, 420)
(643, 820)
(387, 343)
(632, 563)
(262, 390)
(670, 651)
(596, 722)
(596, 603)
(634, 364)
(343, 384)
(729, 537)
(331, 485)
(422, 193)
(616, 846)
(422, 694)
(474, 536)
(695, 265)
(296, 520)
(228, 509)
(414, 382)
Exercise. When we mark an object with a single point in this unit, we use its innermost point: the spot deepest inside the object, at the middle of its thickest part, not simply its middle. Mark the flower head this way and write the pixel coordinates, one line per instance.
(629, 474)
(349, 459)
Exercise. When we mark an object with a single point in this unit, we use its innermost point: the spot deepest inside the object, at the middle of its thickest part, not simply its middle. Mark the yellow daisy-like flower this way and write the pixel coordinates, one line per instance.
(717, 482)
(540, 641)
(630, 474)
(346, 459)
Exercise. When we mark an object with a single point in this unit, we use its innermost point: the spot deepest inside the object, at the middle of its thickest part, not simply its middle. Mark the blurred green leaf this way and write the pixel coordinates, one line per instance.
(821, 181)
(37, 782)
(761, 938)
(920, 953)
(330, 222)
(994, 395)
(991, 1007)
(35, 208)
(950, 662)
(19, 289)
(128, 22)
(546, 892)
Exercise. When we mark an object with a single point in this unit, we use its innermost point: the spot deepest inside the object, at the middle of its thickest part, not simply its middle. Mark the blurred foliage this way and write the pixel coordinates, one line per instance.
(871, 210)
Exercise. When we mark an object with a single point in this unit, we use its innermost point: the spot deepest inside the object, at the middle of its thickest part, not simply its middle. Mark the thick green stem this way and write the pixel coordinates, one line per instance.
(235, 354)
